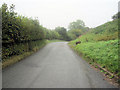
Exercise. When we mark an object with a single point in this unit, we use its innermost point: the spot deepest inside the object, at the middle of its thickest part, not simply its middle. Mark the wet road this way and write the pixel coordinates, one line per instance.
(54, 66)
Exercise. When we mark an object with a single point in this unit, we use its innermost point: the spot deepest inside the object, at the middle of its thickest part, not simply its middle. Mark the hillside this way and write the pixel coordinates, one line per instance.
(100, 45)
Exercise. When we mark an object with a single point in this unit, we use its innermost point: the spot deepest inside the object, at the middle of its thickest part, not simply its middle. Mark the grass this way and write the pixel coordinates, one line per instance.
(16, 58)
(99, 47)
(104, 53)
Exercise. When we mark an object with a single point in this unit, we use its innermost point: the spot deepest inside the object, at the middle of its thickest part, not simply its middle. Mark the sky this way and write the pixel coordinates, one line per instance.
(53, 13)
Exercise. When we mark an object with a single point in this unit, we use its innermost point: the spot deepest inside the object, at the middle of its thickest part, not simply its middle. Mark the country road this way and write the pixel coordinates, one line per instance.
(54, 66)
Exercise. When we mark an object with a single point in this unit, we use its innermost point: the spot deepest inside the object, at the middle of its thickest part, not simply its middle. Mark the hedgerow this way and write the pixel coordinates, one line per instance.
(19, 34)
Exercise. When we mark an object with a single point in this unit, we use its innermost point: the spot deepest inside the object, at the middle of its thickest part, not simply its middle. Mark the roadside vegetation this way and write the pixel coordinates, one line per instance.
(23, 36)
(100, 46)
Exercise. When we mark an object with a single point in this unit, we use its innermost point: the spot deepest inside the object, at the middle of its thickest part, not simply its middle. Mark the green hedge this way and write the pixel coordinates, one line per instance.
(19, 28)
(19, 34)
(9, 50)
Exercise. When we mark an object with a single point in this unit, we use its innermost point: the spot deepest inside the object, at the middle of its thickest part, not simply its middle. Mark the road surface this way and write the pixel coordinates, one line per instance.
(54, 66)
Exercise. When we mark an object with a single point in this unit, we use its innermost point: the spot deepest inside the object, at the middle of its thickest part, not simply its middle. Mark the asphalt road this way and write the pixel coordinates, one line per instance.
(54, 66)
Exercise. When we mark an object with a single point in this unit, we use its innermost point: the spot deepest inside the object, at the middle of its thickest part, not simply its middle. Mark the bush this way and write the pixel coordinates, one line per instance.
(19, 34)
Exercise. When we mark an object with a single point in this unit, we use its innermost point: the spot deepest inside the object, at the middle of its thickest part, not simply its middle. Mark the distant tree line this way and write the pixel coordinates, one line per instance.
(76, 29)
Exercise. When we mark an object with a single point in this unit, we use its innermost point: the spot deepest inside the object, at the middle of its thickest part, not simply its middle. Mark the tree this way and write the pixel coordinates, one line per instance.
(79, 24)
(76, 29)
(55, 35)
(76, 33)
(18, 31)
(63, 33)
(51, 34)
(19, 28)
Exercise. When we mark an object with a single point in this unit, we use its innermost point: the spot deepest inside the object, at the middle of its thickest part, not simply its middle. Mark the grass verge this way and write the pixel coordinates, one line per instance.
(16, 58)
(102, 54)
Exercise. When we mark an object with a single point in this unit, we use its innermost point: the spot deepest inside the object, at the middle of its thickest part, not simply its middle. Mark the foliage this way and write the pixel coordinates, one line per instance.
(51, 34)
(16, 58)
(107, 28)
(76, 29)
(105, 32)
(104, 53)
(79, 24)
(10, 50)
(19, 34)
(63, 33)
(73, 34)
(100, 45)
(18, 28)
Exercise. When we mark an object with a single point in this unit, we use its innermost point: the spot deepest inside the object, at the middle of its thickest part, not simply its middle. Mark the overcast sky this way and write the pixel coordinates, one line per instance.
(53, 13)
